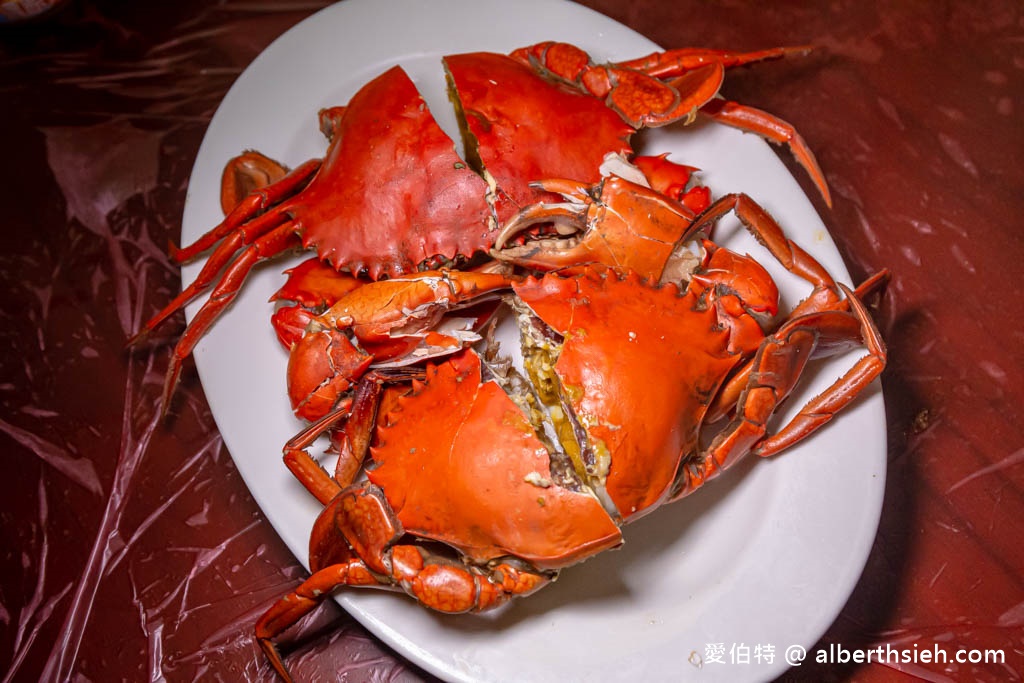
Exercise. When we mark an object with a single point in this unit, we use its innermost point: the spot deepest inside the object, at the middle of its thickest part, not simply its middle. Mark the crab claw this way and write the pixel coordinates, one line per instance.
(388, 323)
(617, 223)
(570, 220)
(322, 367)
(290, 324)
(739, 276)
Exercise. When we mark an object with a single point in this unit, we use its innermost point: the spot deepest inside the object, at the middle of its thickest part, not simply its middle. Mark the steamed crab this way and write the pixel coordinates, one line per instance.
(392, 196)
(463, 480)
(477, 483)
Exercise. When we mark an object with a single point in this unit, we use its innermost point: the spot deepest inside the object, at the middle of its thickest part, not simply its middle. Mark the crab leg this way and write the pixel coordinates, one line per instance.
(770, 128)
(730, 393)
(764, 228)
(674, 62)
(823, 408)
(257, 201)
(221, 256)
(777, 367)
(302, 465)
(267, 246)
(354, 441)
(359, 413)
(292, 607)
(359, 520)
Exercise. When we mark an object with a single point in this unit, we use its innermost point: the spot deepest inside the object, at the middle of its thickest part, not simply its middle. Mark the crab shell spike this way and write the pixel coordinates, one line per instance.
(486, 495)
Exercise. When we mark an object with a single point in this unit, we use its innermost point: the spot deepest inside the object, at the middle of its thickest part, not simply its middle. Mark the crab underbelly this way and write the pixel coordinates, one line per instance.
(474, 475)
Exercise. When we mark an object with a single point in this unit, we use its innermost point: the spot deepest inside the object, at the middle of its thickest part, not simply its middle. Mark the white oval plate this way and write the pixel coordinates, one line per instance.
(764, 557)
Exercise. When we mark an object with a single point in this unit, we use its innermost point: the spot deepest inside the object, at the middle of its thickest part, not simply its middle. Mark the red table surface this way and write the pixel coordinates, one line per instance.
(131, 549)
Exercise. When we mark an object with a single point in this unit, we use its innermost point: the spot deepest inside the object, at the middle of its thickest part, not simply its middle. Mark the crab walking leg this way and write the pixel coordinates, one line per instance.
(773, 129)
(359, 520)
(359, 413)
(292, 607)
(354, 441)
(222, 256)
(267, 246)
(441, 586)
(777, 366)
(768, 232)
(823, 407)
(248, 208)
(302, 465)
(674, 62)
(730, 393)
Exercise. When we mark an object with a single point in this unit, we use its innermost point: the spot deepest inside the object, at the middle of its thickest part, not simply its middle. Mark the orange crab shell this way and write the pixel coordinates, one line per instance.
(526, 128)
(459, 463)
(314, 284)
(638, 365)
(396, 193)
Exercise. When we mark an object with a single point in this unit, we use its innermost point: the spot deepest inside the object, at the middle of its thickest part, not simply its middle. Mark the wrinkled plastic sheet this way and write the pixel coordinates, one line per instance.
(131, 549)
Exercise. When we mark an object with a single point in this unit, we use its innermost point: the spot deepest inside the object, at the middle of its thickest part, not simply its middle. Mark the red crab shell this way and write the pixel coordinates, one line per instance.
(637, 366)
(459, 462)
(522, 128)
(469, 480)
(392, 192)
